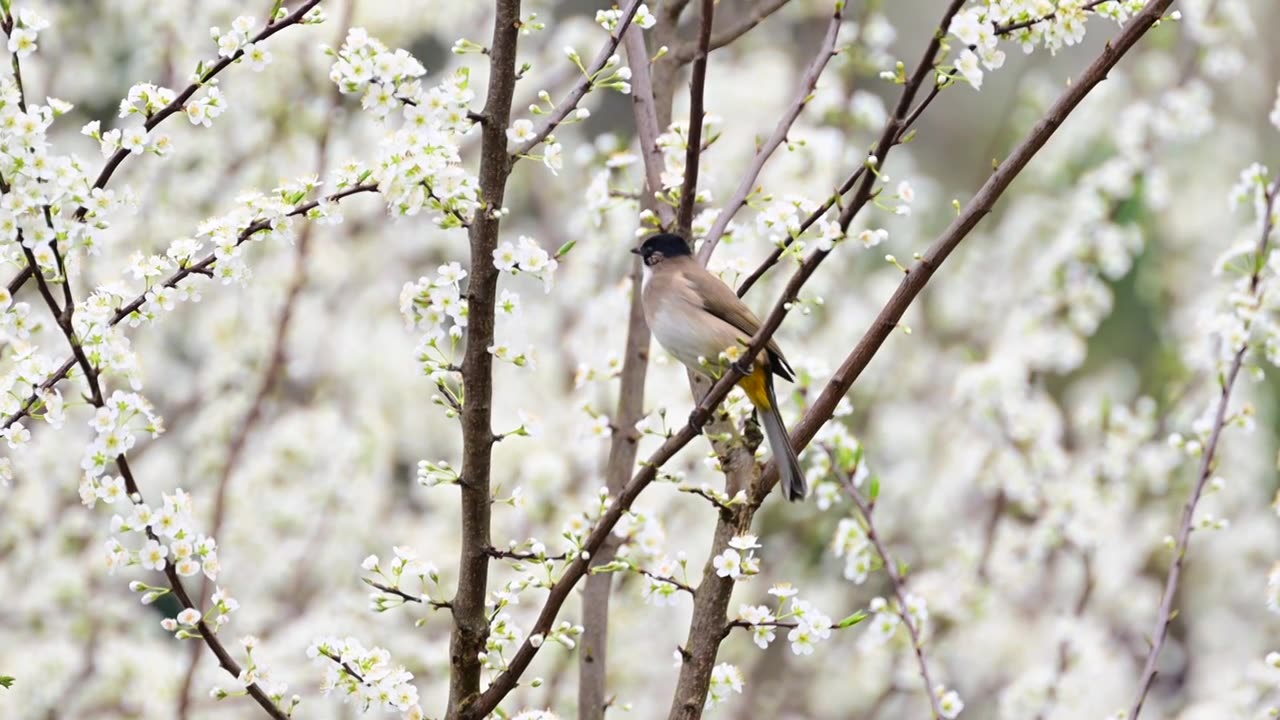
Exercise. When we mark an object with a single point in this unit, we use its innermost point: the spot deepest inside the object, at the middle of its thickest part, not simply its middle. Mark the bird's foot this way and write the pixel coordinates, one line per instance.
(742, 366)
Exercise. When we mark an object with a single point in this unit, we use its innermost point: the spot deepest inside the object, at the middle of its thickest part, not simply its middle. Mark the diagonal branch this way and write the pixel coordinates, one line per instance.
(1165, 615)
(584, 86)
(808, 82)
(203, 266)
(646, 119)
(919, 274)
(898, 583)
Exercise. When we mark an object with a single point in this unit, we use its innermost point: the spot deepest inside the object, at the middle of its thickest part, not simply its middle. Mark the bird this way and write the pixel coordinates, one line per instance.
(695, 316)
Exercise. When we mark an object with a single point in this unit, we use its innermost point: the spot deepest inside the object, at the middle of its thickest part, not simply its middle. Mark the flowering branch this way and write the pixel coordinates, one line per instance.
(471, 623)
(1165, 615)
(584, 85)
(178, 102)
(808, 82)
(204, 266)
(898, 583)
(918, 275)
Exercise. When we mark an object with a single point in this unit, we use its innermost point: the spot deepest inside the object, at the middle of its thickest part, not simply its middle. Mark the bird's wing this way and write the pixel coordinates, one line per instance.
(719, 300)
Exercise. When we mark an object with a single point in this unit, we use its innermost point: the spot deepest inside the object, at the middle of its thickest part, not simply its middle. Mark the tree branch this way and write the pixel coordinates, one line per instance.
(693, 153)
(898, 583)
(204, 266)
(684, 53)
(471, 623)
(808, 82)
(1165, 615)
(580, 90)
(922, 270)
(646, 119)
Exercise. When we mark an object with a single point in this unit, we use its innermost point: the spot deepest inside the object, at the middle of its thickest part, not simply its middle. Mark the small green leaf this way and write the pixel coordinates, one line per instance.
(6, 681)
(852, 620)
(874, 490)
(565, 248)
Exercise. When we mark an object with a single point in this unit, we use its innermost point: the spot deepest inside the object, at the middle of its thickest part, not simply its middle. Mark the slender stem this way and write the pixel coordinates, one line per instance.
(584, 85)
(757, 15)
(1164, 617)
(693, 153)
(898, 583)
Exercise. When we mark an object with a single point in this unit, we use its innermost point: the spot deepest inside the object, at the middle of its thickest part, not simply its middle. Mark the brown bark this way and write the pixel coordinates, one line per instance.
(470, 622)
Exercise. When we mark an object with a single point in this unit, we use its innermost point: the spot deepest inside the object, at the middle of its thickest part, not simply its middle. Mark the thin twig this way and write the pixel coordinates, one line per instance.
(204, 266)
(1165, 615)
(898, 583)
(693, 152)
(580, 90)
(668, 580)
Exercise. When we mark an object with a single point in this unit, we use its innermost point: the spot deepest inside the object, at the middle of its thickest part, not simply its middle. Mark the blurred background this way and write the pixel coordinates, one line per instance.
(1020, 431)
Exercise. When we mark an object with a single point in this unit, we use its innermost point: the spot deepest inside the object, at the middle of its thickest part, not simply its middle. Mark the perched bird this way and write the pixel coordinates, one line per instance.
(696, 317)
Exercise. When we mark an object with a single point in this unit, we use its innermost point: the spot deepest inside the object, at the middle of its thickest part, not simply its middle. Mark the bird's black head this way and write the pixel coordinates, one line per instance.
(657, 248)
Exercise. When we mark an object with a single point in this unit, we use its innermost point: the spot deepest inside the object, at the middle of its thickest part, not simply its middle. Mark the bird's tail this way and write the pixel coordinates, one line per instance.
(759, 388)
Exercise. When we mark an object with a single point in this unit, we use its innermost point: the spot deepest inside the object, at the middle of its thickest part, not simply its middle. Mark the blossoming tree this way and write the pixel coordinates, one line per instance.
(328, 243)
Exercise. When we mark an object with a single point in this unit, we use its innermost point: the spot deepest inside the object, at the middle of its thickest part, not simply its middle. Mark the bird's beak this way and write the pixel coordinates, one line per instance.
(635, 251)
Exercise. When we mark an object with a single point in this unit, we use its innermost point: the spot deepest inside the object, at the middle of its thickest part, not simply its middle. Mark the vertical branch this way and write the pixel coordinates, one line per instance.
(706, 629)
(593, 653)
(470, 624)
(1165, 615)
(644, 96)
(807, 84)
(684, 218)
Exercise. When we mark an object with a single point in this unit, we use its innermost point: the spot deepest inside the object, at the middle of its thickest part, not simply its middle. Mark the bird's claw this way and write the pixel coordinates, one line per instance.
(742, 366)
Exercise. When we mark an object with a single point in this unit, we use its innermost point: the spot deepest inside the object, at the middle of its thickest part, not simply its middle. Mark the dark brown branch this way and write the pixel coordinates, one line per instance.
(63, 316)
(808, 82)
(408, 597)
(471, 623)
(1165, 615)
(580, 90)
(758, 14)
(668, 580)
(981, 204)
(693, 153)
(180, 101)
